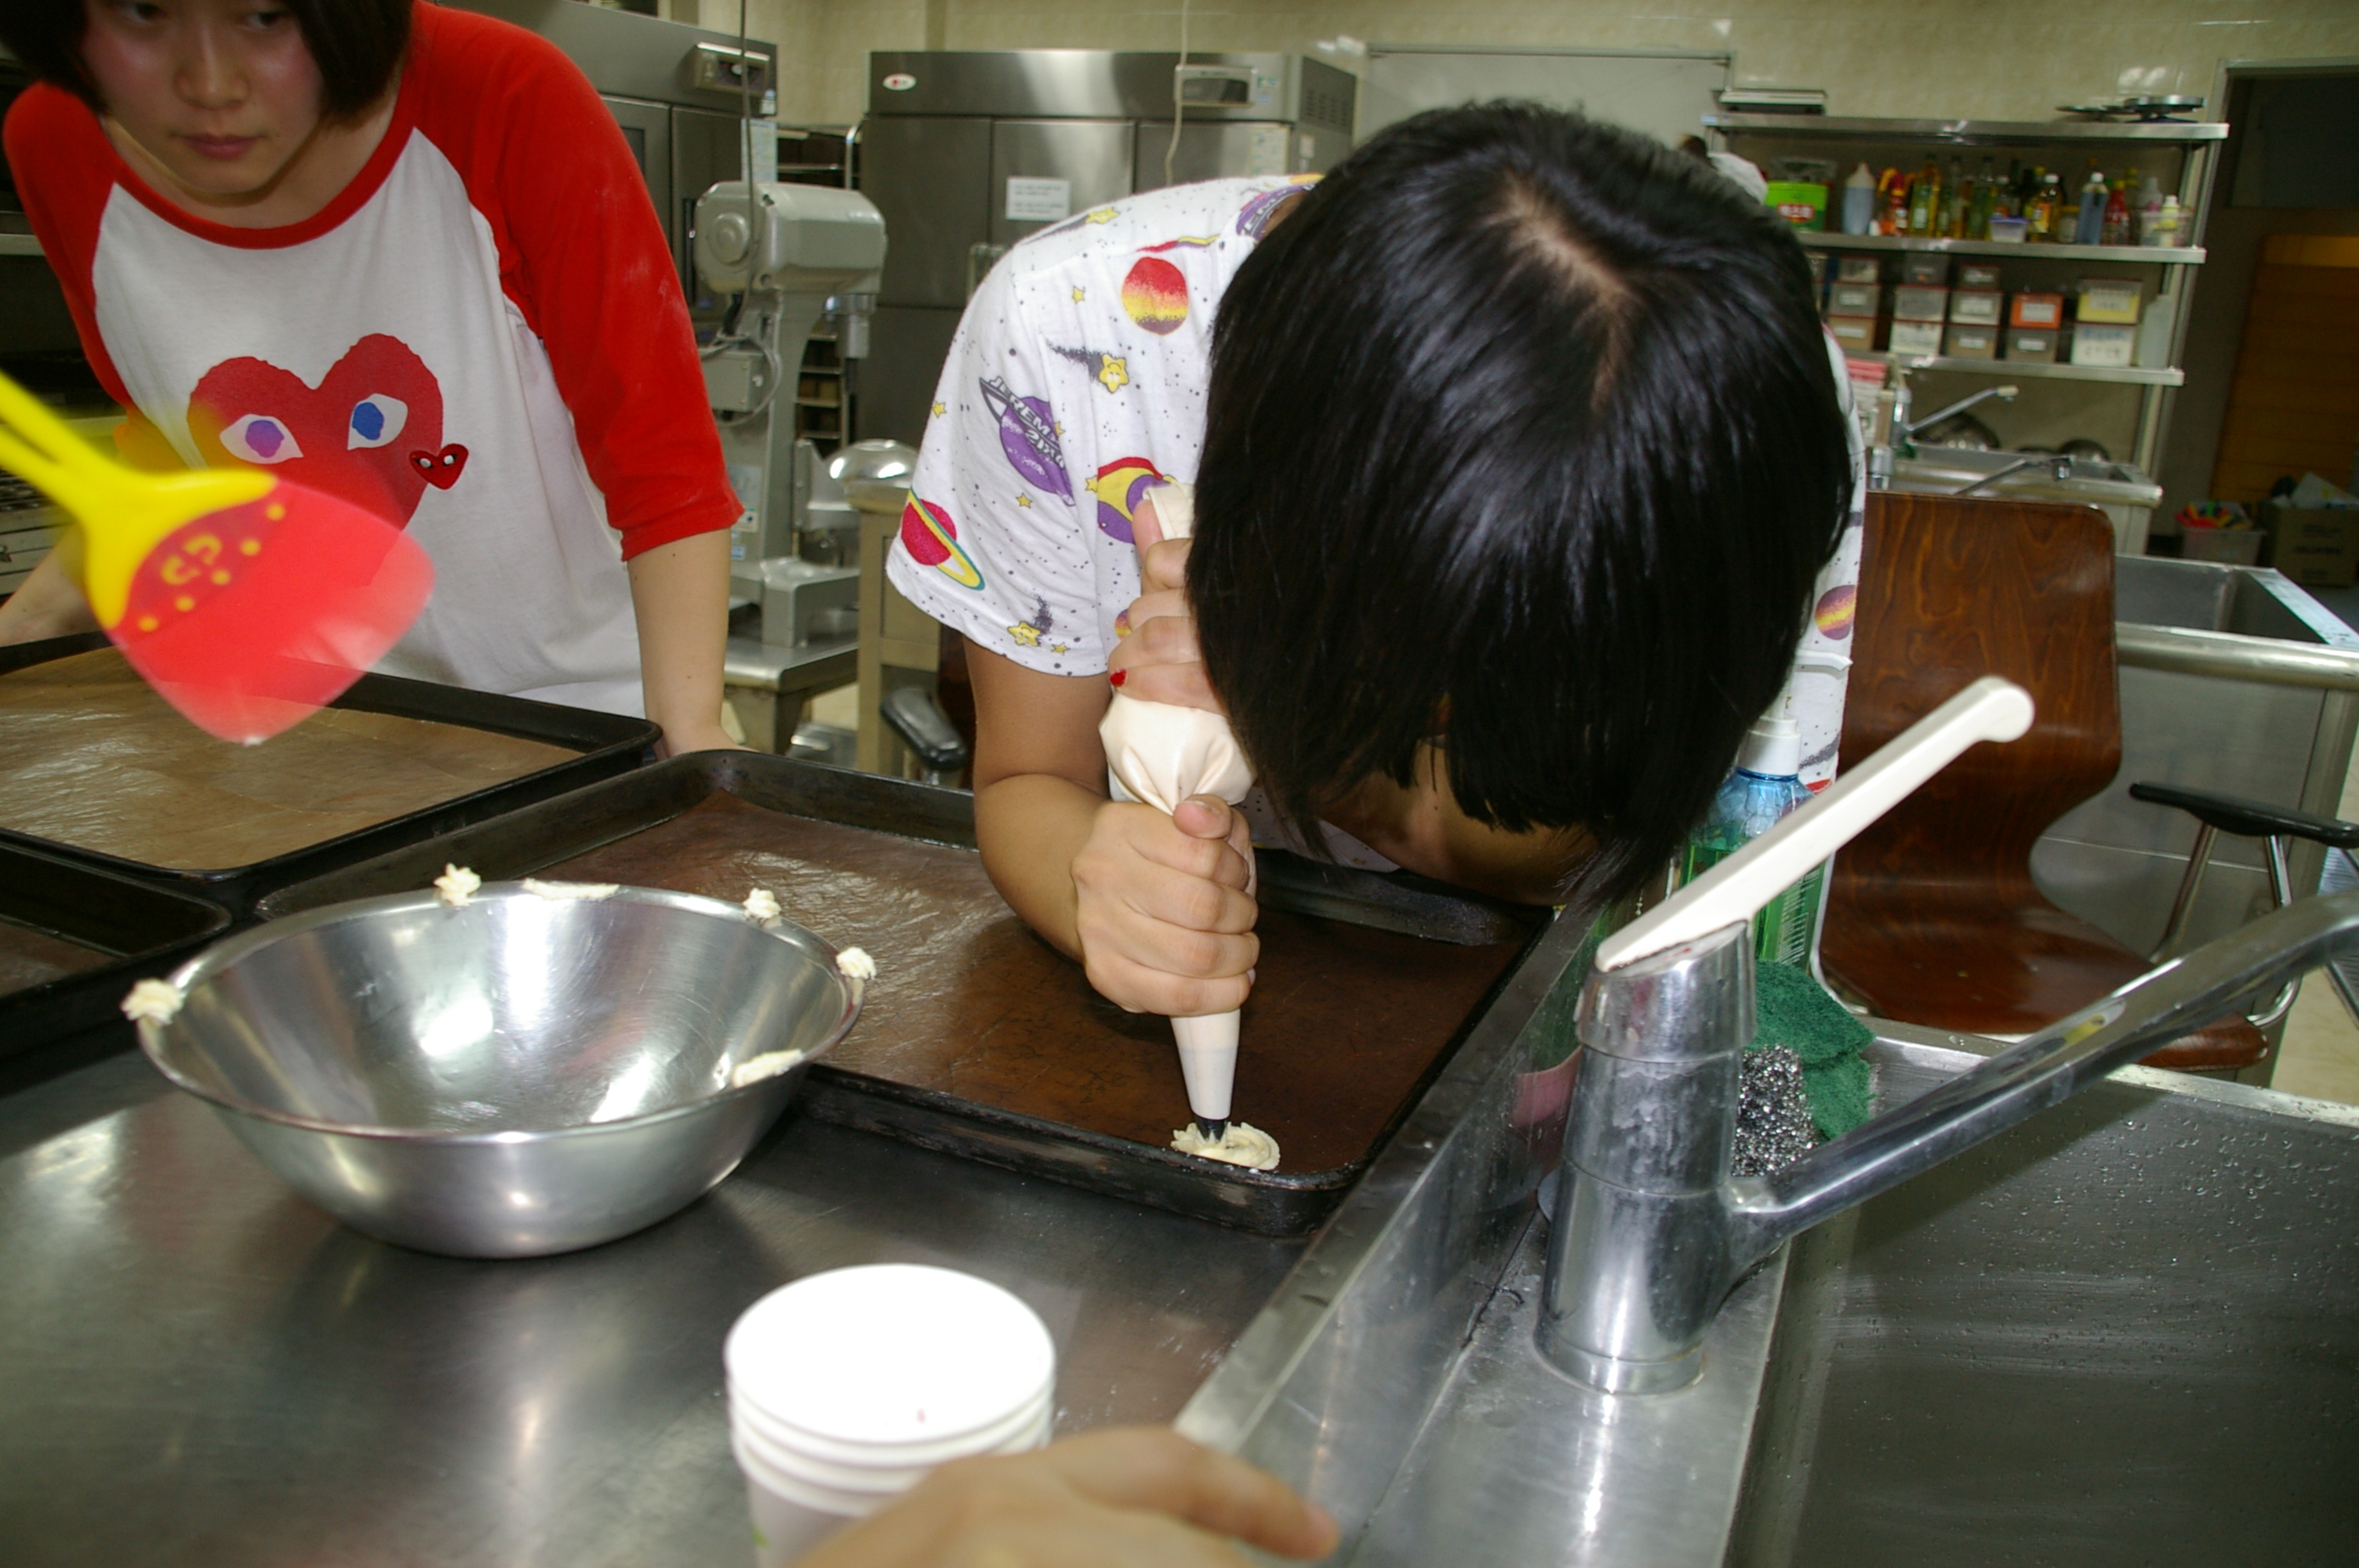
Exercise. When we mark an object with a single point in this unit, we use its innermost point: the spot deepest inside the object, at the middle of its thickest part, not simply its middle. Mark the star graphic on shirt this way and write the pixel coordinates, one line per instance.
(1056, 647)
(1024, 500)
(1112, 372)
(1103, 215)
(938, 410)
(1026, 633)
(1079, 293)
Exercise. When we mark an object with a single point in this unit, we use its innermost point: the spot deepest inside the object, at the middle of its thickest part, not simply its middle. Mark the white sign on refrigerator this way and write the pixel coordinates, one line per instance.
(1038, 200)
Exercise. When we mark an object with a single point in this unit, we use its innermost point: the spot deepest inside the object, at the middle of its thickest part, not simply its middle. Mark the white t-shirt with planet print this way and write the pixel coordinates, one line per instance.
(1077, 381)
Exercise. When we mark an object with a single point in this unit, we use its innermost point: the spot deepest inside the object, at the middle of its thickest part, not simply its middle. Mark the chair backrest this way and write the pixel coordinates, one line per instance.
(1951, 589)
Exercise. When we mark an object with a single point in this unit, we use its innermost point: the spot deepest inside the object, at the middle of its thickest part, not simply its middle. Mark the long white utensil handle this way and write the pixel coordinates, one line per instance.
(1737, 889)
(1208, 1060)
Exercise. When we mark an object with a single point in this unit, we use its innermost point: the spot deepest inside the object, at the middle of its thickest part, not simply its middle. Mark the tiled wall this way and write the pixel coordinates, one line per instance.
(1988, 59)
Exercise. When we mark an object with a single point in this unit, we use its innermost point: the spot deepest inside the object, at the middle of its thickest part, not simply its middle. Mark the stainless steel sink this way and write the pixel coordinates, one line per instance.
(1942, 470)
(2124, 1333)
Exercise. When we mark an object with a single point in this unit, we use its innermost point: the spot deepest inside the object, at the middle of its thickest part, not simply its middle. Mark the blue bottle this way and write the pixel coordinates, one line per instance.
(1764, 789)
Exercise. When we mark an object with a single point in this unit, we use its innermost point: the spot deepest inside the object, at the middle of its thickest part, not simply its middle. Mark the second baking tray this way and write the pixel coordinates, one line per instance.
(73, 939)
(606, 745)
(977, 1037)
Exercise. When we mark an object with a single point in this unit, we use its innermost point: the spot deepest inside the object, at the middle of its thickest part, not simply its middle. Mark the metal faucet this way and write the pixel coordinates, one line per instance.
(1652, 1232)
(2059, 466)
(1908, 428)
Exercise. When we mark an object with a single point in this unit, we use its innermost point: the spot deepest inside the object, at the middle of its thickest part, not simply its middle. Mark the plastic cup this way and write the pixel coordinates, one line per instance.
(847, 1388)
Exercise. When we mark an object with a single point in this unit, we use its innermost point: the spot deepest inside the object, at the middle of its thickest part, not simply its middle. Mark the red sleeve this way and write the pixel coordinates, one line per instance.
(584, 257)
(65, 170)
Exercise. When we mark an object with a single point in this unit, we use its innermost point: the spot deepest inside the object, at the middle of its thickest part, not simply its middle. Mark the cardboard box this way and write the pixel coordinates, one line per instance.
(1856, 269)
(2318, 546)
(2034, 344)
(1977, 275)
(2030, 309)
(1978, 306)
(1924, 271)
(1919, 302)
(1856, 334)
(1966, 340)
(1853, 298)
(1801, 204)
(1915, 338)
(2113, 300)
(2104, 344)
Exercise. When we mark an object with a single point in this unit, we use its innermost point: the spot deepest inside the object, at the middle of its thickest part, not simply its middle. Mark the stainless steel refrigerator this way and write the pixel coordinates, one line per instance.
(967, 152)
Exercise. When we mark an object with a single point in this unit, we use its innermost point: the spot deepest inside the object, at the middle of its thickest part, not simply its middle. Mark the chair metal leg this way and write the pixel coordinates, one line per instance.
(2183, 905)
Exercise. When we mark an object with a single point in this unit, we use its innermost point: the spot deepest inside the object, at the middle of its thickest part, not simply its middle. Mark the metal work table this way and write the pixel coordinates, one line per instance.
(202, 1369)
(774, 683)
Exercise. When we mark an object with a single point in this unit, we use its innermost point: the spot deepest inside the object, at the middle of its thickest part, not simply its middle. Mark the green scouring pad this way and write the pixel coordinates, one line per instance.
(1796, 1011)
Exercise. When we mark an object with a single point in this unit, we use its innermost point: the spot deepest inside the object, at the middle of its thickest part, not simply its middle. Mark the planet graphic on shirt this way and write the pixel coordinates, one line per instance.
(932, 539)
(1837, 608)
(1120, 486)
(1155, 295)
(1027, 435)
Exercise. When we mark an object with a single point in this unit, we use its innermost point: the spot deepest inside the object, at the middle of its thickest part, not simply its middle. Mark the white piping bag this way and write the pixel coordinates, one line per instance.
(1162, 754)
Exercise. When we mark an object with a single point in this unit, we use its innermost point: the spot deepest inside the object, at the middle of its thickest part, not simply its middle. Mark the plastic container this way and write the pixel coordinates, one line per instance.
(2008, 231)
(1978, 306)
(1925, 270)
(847, 1388)
(2104, 344)
(2030, 307)
(1762, 790)
(1965, 341)
(2032, 345)
(1918, 302)
(1915, 338)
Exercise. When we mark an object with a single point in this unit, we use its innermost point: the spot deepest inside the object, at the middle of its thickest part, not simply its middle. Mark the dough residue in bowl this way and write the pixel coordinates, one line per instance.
(854, 964)
(559, 892)
(762, 908)
(768, 1065)
(1243, 1144)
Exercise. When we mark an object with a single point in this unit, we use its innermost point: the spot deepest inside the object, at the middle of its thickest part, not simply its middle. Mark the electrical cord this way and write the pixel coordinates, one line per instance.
(1178, 104)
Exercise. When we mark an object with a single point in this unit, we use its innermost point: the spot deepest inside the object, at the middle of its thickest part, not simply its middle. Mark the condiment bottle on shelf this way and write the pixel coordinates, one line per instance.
(2047, 210)
(2149, 212)
(2116, 226)
(2164, 230)
(1925, 200)
(1979, 209)
(2091, 227)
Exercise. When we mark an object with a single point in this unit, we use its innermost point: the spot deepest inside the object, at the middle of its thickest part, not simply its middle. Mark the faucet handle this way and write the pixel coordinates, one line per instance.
(1739, 888)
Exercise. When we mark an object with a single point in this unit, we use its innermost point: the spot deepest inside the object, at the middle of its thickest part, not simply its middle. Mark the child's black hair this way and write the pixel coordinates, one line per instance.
(1523, 440)
(357, 43)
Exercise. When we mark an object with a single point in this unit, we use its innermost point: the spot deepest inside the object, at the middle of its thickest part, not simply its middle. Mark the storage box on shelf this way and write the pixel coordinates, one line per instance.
(2182, 155)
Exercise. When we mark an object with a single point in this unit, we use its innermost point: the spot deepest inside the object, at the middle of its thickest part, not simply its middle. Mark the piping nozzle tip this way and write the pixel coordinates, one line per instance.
(1214, 1128)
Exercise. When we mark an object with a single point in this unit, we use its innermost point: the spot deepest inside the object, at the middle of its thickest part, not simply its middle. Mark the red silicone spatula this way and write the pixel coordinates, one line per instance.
(246, 602)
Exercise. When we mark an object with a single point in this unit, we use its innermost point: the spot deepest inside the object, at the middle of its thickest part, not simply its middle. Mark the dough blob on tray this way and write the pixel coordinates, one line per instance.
(91, 756)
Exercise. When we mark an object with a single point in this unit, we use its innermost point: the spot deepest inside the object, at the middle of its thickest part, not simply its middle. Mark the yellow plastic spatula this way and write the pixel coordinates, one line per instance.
(247, 602)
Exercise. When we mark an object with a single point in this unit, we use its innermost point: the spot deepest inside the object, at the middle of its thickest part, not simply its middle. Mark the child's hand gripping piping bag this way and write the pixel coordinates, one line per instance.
(1162, 754)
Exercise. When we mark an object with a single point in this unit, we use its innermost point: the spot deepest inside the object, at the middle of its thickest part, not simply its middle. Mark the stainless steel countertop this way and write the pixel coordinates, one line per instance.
(200, 1368)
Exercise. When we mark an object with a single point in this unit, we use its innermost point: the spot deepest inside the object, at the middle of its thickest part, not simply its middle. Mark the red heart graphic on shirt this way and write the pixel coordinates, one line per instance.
(352, 435)
(442, 469)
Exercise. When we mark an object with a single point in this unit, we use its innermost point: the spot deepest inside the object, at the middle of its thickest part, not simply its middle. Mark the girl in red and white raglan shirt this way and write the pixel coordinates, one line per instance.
(401, 254)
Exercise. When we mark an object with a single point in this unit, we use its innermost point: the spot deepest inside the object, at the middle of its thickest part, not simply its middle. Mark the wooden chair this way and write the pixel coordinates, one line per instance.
(1932, 917)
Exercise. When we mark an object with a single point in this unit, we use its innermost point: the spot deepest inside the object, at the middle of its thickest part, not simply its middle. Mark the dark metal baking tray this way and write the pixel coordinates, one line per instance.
(1384, 908)
(120, 930)
(609, 744)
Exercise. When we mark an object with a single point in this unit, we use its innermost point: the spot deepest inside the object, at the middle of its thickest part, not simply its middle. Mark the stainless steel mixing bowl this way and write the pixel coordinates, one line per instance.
(520, 1075)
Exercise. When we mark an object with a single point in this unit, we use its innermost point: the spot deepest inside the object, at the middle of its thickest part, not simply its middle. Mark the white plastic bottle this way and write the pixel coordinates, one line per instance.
(1859, 201)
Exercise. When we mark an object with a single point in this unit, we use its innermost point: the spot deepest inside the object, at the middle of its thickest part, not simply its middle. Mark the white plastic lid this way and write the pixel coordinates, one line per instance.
(1773, 746)
(889, 1353)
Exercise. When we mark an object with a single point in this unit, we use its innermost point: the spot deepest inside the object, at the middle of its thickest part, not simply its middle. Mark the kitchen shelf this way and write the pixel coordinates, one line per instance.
(2122, 255)
(20, 245)
(1969, 132)
(2031, 369)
